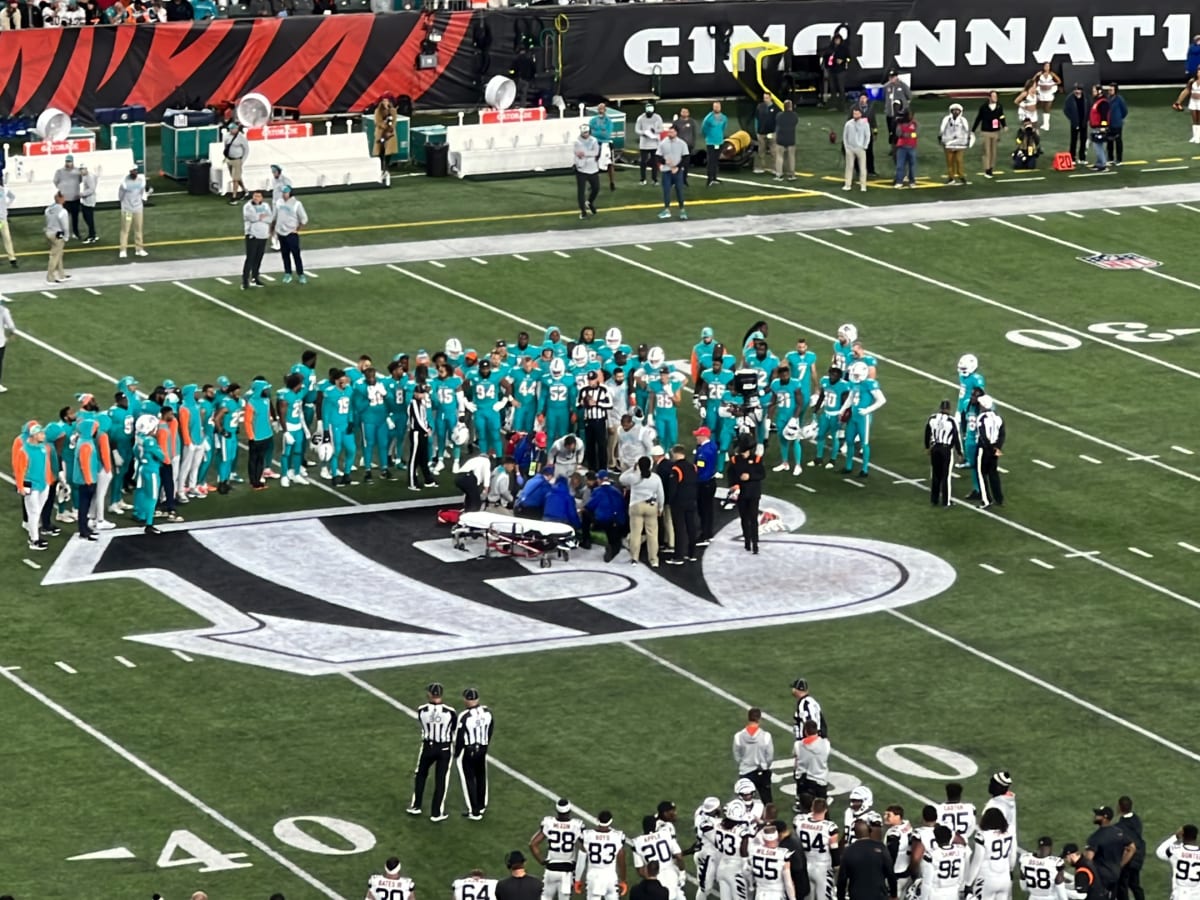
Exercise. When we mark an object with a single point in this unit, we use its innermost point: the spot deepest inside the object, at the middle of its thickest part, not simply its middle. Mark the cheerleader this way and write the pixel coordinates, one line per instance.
(1191, 93)
(1046, 84)
(1027, 104)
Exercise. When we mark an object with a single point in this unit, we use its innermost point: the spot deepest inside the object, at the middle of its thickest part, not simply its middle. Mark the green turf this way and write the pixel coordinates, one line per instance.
(607, 725)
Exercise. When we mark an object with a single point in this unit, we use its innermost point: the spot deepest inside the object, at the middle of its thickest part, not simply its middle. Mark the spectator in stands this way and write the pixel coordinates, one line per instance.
(117, 14)
(385, 132)
(990, 122)
(713, 129)
(1117, 112)
(685, 130)
(1076, 110)
(324, 7)
(867, 107)
(835, 60)
(180, 11)
(67, 181)
(71, 15)
(897, 98)
(91, 12)
(906, 150)
(524, 72)
(15, 16)
(765, 115)
(649, 127)
(785, 142)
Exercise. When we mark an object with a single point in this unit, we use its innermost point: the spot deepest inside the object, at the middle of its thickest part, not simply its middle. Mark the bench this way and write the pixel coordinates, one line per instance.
(31, 178)
(320, 161)
(510, 147)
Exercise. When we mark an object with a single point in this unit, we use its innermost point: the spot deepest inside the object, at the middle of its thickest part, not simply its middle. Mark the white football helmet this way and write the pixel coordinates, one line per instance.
(146, 424)
(791, 431)
(613, 338)
(579, 355)
(863, 797)
(735, 811)
(847, 334)
(656, 357)
(743, 787)
(859, 372)
(459, 435)
(324, 450)
(557, 367)
(454, 347)
(967, 364)
(809, 431)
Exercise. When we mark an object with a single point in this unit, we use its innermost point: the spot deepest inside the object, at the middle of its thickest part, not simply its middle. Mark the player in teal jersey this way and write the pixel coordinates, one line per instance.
(522, 347)
(970, 417)
(581, 364)
(526, 385)
(208, 408)
(969, 378)
(802, 363)
(121, 440)
(447, 400)
(487, 390)
(715, 379)
(786, 400)
(843, 347)
(589, 341)
(128, 386)
(455, 356)
(865, 398)
(829, 425)
(764, 362)
(664, 402)
(226, 421)
(614, 343)
(622, 361)
(726, 431)
(400, 386)
(289, 411)
(171, 396)
(554, 342)
(647, 374)
(702, 356)
(858, 353)
(371, 410)
(149, 458)
(307, 369)
(558, 402)
(335, 416)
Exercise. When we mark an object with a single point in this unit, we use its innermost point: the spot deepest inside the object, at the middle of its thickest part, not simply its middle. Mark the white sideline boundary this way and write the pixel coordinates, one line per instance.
(721, 229)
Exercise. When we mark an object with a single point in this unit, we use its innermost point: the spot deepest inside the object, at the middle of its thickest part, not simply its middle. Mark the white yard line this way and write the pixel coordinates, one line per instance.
(1093, 460)
(851, 481)
(765, 237)
(138, 288)
(436, 264)
(717, 295)
(461, 296)
(1038, 562)
(185, 795)
(1073, 214)
(921, 226)
(1070, 696)
(778, 723)
(1138, 551)
(1186, 546)
(224, 280)
(991, 569)
(66, 668)
(1042, 463)
(1184, 450)
(125, 662)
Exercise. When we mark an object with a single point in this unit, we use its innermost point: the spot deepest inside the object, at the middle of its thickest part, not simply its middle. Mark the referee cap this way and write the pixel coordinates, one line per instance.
(800, 684)
(471, 694)
(563, 805)
(514, 860)
(435, 689)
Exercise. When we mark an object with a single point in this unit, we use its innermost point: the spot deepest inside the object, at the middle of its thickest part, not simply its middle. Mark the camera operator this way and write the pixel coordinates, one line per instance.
(746, 474)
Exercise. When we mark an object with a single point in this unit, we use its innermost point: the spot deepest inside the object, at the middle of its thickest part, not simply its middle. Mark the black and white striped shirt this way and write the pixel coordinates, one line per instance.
(418, 416)
(602, 401)
(437, 723)
(475, 726)
(990, 427)
(942, 431)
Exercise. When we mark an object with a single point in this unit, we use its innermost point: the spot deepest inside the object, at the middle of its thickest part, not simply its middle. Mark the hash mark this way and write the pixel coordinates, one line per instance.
(1091, 459)
(1140, 552)
(1074, 215)
(353, 271)
(182, 655)
(138, 288)
(482, 262)
(884, 230)
(644, 247)
(31, 563)
(1184, 450)
(436, 264)
(857, 484)
(725, 241)
(126, 663)
(991, 569)
(563, 255)
(764, 237)
(224, 280)
(520, 257)
(1186, 546)
(920, 225)
(1042, 463)
(93, 292)
(1038, 562)
(845, 233)
(66, 668)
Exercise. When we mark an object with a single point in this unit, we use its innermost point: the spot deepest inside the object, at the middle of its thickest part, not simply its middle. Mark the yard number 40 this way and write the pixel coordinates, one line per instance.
(353, 839)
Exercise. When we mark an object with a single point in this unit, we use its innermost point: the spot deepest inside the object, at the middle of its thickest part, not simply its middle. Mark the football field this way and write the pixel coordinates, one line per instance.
(227, 706)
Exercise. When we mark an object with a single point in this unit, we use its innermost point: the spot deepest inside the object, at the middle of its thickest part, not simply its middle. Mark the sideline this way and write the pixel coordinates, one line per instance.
(588, 237)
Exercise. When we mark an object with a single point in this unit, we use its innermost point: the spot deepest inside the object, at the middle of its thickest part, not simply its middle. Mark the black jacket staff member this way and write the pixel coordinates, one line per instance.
(682, 498)
(746, 473)
(942, 441)
(866, 869)
(474, 730)
(437, 723)
(1088, 884)
(990, 430)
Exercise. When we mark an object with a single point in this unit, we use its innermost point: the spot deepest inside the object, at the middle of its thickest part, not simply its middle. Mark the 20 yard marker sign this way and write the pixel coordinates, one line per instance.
(379, 586)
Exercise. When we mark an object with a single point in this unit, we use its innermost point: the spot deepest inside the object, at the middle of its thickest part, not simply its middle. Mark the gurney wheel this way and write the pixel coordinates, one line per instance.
(544, 562)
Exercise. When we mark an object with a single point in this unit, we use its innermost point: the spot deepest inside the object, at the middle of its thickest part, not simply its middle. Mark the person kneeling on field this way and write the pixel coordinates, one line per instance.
(1029, 148)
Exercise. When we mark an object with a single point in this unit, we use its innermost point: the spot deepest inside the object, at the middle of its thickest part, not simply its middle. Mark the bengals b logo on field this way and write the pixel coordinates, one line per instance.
(380, 586)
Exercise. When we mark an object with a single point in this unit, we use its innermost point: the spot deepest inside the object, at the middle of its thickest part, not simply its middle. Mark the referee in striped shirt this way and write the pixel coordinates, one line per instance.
(474, 735)
(990, 428)
(942, 441)
(437, 742)
(594, 403)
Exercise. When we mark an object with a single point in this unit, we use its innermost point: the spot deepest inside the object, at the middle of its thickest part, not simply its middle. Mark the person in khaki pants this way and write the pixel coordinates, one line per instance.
(785, 142)
(646, 498)
(7, 197)
(856, 137)
(132, 194)
(57, 230)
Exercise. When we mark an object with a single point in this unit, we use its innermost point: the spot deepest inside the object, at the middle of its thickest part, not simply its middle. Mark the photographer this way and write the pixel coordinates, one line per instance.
(746, 474)
(835, 60)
